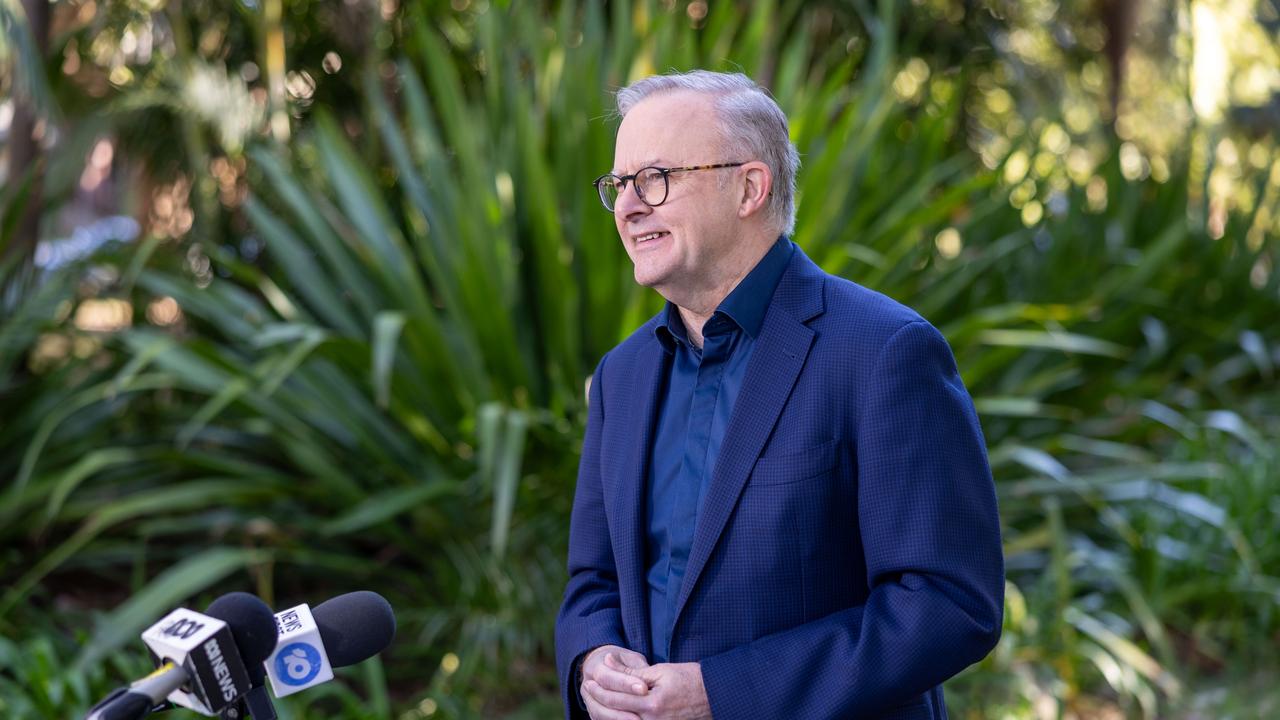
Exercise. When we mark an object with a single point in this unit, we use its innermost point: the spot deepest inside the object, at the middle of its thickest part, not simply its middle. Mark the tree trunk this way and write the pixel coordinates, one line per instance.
(1118, 17)
(25, 156)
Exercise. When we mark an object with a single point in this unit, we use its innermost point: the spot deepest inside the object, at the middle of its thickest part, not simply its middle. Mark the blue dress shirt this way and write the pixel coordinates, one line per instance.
(700, 389)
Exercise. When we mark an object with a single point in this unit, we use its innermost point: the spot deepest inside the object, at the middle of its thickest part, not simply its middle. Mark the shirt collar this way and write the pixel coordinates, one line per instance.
(745, 305)
(671, 329)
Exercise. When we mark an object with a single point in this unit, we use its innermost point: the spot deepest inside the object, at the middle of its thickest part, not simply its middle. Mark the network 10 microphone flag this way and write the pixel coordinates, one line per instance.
(299, 660)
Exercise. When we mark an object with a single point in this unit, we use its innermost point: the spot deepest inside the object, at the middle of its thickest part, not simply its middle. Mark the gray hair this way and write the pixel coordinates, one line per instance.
(751, 124)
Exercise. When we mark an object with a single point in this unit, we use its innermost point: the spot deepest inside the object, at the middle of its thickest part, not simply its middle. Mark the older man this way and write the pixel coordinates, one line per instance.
(784, 507)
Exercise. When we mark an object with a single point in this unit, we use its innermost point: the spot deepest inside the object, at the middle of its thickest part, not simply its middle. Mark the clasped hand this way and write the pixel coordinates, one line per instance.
(618, 684)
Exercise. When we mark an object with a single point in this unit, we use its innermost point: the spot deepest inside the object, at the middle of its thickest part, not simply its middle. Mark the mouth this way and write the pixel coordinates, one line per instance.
(649, 237)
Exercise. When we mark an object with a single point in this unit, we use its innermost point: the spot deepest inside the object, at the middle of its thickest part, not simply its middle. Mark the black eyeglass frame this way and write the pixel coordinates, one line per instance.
(624, 180)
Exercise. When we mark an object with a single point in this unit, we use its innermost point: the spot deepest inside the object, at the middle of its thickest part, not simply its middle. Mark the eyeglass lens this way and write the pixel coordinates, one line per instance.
(651, 186)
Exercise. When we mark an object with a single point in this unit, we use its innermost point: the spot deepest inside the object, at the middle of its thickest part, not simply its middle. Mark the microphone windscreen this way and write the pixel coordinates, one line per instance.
(354, 627)
(252, 624)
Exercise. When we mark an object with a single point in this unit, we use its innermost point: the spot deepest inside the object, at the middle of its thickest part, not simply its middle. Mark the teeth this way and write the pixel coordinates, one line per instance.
(650, 236)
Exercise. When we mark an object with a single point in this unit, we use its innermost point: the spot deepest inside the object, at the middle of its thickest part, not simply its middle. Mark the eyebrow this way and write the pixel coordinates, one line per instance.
(647, 163)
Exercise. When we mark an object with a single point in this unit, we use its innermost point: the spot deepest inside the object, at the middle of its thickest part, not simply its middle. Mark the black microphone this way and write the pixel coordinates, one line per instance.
(355, 626)
(261, 635)
(341, 631)
(203, 659)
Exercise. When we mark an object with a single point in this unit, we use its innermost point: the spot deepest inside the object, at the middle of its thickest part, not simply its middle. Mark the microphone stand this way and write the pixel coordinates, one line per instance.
(254, 704)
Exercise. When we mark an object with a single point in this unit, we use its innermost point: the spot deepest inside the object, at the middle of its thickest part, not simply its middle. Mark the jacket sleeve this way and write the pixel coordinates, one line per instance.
(591, 614)
(931, 537)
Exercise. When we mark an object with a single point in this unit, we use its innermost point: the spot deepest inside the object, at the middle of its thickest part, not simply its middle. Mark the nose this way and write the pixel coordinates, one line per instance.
(629, 206)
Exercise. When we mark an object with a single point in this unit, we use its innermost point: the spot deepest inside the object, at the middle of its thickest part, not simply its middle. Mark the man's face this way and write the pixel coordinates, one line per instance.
(696, 225)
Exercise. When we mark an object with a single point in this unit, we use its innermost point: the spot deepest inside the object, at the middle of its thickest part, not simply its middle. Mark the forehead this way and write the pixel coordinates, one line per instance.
(672, 128)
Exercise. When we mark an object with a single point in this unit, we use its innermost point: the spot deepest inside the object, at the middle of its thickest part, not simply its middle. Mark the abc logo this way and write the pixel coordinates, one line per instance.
(182, 628)
(297, 664)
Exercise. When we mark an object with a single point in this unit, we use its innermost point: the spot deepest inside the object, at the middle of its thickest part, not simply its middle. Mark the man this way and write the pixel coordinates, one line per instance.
(784, 507)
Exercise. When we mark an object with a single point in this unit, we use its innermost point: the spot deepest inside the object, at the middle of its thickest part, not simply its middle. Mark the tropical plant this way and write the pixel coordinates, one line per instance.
(377, 381)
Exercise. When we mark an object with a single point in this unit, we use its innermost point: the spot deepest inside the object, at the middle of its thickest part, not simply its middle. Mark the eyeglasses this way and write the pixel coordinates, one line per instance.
(651, 183)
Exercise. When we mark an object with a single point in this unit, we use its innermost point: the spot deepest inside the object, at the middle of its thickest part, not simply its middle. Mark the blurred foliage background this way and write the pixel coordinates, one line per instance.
(299, 298)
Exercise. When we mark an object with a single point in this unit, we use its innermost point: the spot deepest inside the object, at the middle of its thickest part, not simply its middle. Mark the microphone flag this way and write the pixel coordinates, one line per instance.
(299, 660)
(205, 648)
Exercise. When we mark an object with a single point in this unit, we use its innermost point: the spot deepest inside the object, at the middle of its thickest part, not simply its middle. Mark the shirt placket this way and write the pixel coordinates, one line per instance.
(695, 465)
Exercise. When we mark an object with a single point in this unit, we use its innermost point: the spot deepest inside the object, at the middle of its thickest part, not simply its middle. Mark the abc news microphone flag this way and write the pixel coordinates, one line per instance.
(205, 648)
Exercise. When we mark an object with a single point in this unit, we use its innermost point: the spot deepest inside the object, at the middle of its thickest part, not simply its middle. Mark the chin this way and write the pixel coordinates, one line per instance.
(647, 279)
(651, 274)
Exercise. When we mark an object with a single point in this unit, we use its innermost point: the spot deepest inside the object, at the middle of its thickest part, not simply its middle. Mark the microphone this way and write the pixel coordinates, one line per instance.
(260, 635)
(203, 659)
(341, 631)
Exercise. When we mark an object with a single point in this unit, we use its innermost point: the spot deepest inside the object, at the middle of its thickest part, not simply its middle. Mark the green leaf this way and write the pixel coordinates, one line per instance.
(67, 481)
(386, 331)
(507, 479)
(1053, 340)
(383, 506)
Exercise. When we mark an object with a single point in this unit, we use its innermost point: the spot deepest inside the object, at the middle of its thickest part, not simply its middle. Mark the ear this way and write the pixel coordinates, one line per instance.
(756, 188)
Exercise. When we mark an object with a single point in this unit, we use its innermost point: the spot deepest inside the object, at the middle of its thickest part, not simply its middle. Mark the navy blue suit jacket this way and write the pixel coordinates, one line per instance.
(847, 555)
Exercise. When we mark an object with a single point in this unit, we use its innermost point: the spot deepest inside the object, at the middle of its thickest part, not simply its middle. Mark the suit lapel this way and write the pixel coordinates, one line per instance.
(627, 497)
(779, 354)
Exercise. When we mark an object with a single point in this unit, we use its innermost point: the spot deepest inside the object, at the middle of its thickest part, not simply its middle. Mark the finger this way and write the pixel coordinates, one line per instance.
(616, 662)
(610, 678)
(600, 712)
(647, 674)
(632, 659)
(618, 700)
(596, 657)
